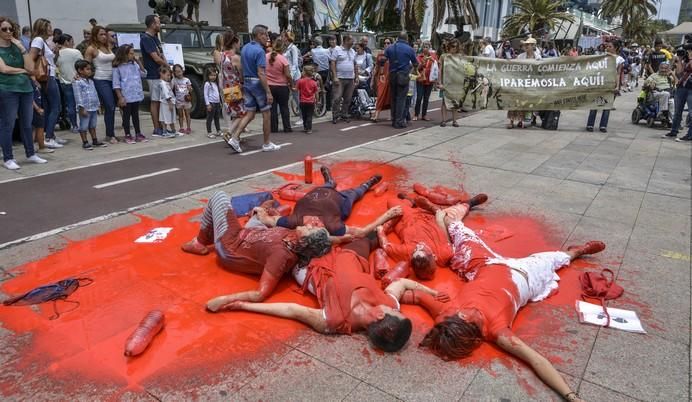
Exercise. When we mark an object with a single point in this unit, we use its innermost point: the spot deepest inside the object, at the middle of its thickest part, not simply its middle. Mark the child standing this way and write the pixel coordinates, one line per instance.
(167, 109)
(37, 123)
(307, 88)
(87, 103)
(182, 88)
(128, 72)
(213, 101)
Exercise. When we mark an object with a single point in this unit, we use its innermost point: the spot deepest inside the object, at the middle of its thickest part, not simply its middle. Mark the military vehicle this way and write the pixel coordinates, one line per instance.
(197, 42)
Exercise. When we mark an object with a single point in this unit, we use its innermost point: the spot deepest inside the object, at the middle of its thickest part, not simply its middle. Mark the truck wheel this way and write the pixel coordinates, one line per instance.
(198, 110)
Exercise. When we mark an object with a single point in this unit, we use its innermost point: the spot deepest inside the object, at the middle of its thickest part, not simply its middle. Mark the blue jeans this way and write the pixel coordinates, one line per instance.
(255, 97)
(605, 114)
(68, 94)
(348, 198)
(13, 104)
(87, 122)
(104, 88)
(51, 103)
(682, 96)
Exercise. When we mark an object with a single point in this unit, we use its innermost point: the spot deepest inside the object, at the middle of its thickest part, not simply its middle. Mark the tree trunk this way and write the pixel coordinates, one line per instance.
(234, 14)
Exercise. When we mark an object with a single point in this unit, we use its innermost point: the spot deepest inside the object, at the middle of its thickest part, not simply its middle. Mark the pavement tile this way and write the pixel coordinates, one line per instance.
(525, 162)
(616, 204)
(666, 203)
(614, 234)
(413, 142)
(656, 241)
(631, 178)
(351, 354)
(30, 251)
(626, 362)
(365, 392)
(663, 220)
(592, 392)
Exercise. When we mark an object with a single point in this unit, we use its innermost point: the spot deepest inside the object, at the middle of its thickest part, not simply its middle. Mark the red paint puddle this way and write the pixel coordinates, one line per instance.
(131, 279)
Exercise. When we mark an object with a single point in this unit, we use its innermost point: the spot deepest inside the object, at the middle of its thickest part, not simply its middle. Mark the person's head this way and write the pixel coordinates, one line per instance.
(210, 73)
(93, 22)
(364, 41)
(308, 71)
(664, 68)
(347, 41)
(390, 330)
(423, 261)
(112, 38)
(358, 47)
(99, 37)
(86, 34)
(8, 29)
(551, 45)
(331, 40)
(317, 42)
(613, 47)
(425, 47)
(312, 242)
(153, 23)
(42, 28)
(26, 31)
(259, 33)
(289, 36)
(278, 47)
(658, 44)
(56, 32)
(402, 36)
(529, 45)
(165, 73)
(387, 42)
(453, 337)
(124, 54)
(83, 68)
(454, 46)
(178, 71)
(229, 40)
(64, 40)
(486, 41)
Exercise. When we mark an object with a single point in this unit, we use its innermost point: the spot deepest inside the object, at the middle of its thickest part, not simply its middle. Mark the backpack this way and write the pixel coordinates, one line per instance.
(596, 285)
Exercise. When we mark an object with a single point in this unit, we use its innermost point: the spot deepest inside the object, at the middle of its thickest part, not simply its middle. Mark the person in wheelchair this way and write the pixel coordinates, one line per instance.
(661, 85)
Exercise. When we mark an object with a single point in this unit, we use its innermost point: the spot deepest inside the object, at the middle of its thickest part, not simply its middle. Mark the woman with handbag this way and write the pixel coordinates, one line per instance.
(16, 94)
(428, 72)
(99, 53)
(233, 107)
(44, 71)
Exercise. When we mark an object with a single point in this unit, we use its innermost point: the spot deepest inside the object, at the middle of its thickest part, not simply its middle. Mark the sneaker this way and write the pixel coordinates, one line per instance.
(112, 140)
(45, 151)
(308, 132)
(87, 146)
(670, 135)
(684, 139)
(169, 134)
(141, 138)
(235, 144)
(60, 141)
(218, 133)
(11, 164)
(188, 130)
(75, 130)
(589, 128)
(226, 137)
(603, 129)
(36, 159)
(211, 135)
(270, 147)
(299, 122)
(52, 144)
(98, 143)
(157, 132)
(129, 139)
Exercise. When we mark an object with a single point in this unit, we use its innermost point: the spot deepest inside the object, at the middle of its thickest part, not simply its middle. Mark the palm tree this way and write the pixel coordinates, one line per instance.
(629, 11)
(413, 11)
(536, 16)
(234, 14)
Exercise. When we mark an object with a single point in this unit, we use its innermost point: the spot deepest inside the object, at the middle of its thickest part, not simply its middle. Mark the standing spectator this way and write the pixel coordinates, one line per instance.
(51, 93)
(26, 37)
(100, 54)
(343, 65)
(37, 120)
(401, 58)
(506, 51)
(424, 85)
(258, 97)
(16, 94)
(307, 88)
(282, 7)
(550, 51)
(167, 99)
(87, 101)
(182, 87)
(128, 72)
(488, 50)
(320, 56)
(453, 51)
(683, 95)
(280, 81)
(294, 62)
(364, 64)
(364, 41)
(93, 22)
(193, 5)
(307, 9)
(380, 82)
(212, 99)
(612, 48)
(231, 82)
(152, 57)
(67, 56)
(84, 44)
(655, 57)
(51, 39)
(530, 53)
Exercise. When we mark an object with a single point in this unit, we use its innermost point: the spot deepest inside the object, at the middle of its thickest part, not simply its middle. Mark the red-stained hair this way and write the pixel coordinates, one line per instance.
(453, 338)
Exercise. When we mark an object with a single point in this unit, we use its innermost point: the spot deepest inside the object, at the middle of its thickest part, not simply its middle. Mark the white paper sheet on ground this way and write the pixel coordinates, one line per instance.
(173, 53)
(155, 235)
(625, 320)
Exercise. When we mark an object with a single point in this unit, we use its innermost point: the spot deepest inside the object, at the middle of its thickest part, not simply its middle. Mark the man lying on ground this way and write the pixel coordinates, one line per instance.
(350, 298)
(255, 249)
(489, 303)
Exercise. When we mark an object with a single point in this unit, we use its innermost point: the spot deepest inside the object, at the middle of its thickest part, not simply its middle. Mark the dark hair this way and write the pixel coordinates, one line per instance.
(316, 244)
(390, 333)
(57, 32)
(121, 55)
(207, 71)
(15, 27)
(62, 39)
(178, 66)
(81, 64)
(92, 20)
(229, 39)
(26, 29)
(164, 69)
(94, 41)
(150, 19)
(423, 266)
(453, 338)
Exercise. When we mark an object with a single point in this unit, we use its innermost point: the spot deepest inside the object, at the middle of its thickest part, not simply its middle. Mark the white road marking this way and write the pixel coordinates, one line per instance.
(434, 110)
(285, 144)
(348, 128)
(129, 179)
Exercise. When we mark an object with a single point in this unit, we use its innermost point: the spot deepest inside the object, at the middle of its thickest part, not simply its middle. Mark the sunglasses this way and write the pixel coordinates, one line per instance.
(7, 29)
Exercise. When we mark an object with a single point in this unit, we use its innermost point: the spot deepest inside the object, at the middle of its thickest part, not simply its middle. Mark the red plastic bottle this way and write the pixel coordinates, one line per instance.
(307, 163)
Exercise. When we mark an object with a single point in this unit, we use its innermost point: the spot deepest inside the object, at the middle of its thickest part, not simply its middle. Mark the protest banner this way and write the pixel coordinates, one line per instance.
(585, 82)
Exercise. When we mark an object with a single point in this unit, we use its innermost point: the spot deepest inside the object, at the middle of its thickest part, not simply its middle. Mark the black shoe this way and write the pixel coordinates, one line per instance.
(372, 181)
(684, 139)
(98, 143)
(335, 120)
(670, 135)
(327, 174)
(87, 146)
(288, 130)
(603, 129)
(589, 129)
(345, 119)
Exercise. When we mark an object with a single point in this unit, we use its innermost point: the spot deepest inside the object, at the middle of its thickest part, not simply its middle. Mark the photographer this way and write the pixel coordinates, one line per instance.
(683, 93)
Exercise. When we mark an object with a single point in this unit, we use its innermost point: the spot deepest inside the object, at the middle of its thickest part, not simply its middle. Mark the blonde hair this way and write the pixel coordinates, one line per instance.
(277, 48)
(40, 28)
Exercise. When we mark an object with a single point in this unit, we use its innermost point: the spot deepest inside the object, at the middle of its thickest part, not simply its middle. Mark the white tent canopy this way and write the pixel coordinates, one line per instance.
(682, 29)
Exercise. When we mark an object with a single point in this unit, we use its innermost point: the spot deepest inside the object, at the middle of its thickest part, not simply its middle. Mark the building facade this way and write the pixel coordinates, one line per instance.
(685, 11)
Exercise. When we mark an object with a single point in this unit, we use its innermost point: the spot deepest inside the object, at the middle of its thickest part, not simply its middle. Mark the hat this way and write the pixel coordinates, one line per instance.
(529, 41)
(635, 44)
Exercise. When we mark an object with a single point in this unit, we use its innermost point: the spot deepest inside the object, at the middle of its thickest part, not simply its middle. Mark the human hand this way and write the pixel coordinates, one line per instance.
(83, 112)
(208, 108)
(270, 99)
(440, 86)
(40, 111)
(442, 296)
(233, 306)
(394, 212)
(121, 102)
(171, 107)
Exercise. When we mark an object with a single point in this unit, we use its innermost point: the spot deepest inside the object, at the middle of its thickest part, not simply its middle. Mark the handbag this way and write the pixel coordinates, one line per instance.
(434, 72)
(596, 285)
(41, 66)
(232, 94)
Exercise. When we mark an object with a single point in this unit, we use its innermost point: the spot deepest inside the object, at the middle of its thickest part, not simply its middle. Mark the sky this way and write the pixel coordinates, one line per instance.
(668, 10)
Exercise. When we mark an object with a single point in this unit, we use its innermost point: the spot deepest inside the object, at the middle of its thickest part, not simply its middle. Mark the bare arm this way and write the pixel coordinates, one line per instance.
(309, 316)
(364, 231)
(5, 69)
(510, 343)
(158, 59)
(433, 306)
(90, 54)
(263, 80)
(218, 56)
(399, 286)
(267, 285)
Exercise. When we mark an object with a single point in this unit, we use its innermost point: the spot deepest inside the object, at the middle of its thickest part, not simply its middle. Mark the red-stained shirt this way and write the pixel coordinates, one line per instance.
(418, 226)
(322, 202)
(307, 87)
(335, 276)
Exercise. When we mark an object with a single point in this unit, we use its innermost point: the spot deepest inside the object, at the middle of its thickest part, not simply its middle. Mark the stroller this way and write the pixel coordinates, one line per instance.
(648, 109)
(362, 104)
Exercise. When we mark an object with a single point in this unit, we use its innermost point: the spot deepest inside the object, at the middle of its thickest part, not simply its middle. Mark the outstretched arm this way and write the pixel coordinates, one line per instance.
(306, 315)
(267, 285)
(543, 368)
(430, 303)
(399, 286)
(364, 231)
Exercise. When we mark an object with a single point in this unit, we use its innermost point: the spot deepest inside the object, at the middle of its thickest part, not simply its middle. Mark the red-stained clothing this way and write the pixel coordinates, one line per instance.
(424, 66)
(322, 202)
(255, 250)
(334, 277)
(307, 88)
(418, 226)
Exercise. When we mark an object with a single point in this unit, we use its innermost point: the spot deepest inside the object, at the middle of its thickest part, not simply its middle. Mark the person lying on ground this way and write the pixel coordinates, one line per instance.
(255, 249)
(349, 296)
(424, 242)
(488, 304)
(330, 207)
